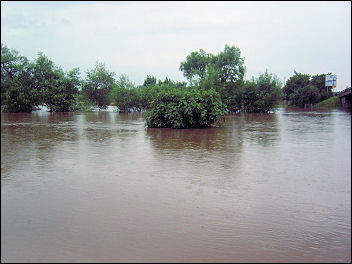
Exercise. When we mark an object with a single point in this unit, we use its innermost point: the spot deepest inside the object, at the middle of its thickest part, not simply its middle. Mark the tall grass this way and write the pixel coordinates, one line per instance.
(328, 103)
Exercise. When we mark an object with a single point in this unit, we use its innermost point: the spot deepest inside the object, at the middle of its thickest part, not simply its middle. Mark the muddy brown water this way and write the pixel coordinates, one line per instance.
(101, 187)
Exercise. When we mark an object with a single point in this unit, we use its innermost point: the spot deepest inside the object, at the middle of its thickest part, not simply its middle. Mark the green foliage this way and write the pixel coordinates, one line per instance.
(148, 92)
(61, 97)
(127, 99)
(319, 82)
(211, 80)
(267, 93)
(16, 92)
(44, 77)
(82, 104)
(125, 94)
(235, 96)
(227, 65)
(25, 84)
(150, 80)
(12, 64)
(98, 84)
(295, 82)
(195, 66)
(18, 98)
(259, 95)
(185, 108)
(303, 89)
(308, 94)
(53, 86)
(225, 73)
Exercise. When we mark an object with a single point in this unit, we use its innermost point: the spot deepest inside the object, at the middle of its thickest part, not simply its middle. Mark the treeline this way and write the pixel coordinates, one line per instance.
(27, 84)
(225, 73)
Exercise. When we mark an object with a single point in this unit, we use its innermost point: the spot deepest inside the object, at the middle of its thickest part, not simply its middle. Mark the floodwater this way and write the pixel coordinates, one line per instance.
(101, 187)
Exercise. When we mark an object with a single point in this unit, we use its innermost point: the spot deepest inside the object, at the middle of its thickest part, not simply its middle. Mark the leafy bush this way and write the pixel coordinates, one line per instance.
(127, 99)
(185, 108)
(83, 104)
(18, 98)
(262, 94)
(125, 95)
(150, 88)
(259, 95)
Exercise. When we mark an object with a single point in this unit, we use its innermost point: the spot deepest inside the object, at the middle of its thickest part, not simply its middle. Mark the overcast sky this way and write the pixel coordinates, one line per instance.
(140, 38)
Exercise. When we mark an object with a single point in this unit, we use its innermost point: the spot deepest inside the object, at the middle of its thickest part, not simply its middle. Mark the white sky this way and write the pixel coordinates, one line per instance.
(140, 38)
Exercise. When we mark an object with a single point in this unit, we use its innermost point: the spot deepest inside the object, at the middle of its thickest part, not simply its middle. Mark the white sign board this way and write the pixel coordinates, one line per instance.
(330, 80)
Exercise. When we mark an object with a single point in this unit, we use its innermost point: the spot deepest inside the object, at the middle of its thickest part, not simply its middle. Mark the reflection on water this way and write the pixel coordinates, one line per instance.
(101, 187)
(260, 128)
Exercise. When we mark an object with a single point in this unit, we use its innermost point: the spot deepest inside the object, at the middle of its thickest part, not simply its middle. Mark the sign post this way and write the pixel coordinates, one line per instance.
(330, 81)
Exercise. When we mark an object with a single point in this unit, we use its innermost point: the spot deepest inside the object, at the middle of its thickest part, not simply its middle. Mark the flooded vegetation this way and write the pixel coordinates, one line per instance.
(102, 187)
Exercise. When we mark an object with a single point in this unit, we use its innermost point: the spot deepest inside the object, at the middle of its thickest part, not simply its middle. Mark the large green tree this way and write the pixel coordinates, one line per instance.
(125, 94)
(228, 64)
(53, 86)
(294, 83)
(224, 71)
(45, 76)
(62, 96)
(196, 65)
(261, 94)
(16, 87)
(319, 82)
(303, 89)
(98, 84)
(26, 84)
(11, 63)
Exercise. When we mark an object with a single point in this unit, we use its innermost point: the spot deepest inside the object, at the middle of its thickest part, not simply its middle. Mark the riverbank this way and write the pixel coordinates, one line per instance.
(332, 102)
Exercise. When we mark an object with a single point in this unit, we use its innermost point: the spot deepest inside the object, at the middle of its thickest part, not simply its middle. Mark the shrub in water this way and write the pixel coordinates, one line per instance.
(181, 108)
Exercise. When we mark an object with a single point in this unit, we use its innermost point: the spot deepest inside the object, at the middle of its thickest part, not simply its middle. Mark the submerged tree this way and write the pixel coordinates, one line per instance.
(295, 83)
(62, 96)
(54, 87)
(262, 94)
(26, 84)
(319, 82)
(98, 84)
(16, 88)
(303, 89)
(224, 72)
(125, 94)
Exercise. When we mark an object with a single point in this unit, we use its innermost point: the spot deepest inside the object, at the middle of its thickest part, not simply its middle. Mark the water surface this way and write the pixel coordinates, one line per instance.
(101, 187)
